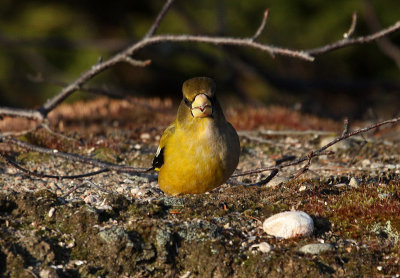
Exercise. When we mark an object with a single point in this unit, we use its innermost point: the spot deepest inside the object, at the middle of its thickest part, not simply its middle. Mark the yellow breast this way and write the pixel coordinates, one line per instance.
(196, 160)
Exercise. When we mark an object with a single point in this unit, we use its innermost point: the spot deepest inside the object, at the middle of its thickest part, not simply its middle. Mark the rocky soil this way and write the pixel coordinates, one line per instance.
(122, 225)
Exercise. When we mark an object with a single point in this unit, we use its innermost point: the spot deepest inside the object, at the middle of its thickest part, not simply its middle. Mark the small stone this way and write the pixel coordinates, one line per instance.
(354, 182)
(379, 268)
(186, 275)
(120, 190)
(135, 190)
(340, 185)
(71, 244)
(51, 212)
(79, 262)
(366, 162)
(91, 199)
(52, 186)
(264, 247)
(48, 273)
(289, 224)
(302, 188)
(316, 248)
(145, 136)
(277, 181)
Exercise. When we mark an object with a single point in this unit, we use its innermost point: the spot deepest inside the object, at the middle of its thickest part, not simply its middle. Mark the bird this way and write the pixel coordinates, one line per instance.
(200, 150)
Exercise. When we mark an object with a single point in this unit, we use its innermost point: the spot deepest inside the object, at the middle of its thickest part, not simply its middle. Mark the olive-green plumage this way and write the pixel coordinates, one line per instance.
(200, 150)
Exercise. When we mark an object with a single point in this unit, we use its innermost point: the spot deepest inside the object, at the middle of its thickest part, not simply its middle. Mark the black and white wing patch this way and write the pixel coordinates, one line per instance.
(158, 160)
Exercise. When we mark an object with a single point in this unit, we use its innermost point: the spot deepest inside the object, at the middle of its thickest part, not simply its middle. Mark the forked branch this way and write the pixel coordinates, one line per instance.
(149, 38)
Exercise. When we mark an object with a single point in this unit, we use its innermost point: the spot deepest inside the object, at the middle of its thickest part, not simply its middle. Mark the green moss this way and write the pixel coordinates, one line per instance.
(32, 157)
(15, 266)
(157, 209)
(106, 154)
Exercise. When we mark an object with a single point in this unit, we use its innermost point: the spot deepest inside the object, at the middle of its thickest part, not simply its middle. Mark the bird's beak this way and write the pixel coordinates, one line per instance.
(201, 106)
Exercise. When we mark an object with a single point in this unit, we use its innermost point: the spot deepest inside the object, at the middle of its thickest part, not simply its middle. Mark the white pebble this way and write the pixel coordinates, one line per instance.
(289, 224)
(135, 190)
(354, 182)
(91, 199)
(145, 136)
(79, 262)
(263, 247)
(51, 212)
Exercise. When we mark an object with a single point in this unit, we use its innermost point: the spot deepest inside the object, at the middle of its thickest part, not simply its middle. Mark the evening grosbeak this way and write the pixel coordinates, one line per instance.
(200, 150)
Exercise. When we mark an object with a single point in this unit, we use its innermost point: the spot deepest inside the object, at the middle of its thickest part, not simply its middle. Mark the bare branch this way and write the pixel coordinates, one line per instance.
(159, 17)
(262, 26)
(137, 63)
(305, 168)
(295, 132)
(272, 50)
(43, 175)
(352, 26)
(20, 112)
(358, 40)
(319, 152)
(73, 157)
(150, 39)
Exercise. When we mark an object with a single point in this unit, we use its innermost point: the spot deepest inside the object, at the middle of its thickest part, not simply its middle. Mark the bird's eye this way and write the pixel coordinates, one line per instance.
(188, 103)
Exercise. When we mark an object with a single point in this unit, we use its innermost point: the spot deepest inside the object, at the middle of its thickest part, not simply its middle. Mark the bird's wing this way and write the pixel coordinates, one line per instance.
(158, 160)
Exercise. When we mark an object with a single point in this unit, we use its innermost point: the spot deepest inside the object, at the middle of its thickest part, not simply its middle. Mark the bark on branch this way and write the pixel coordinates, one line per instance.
(149, 38)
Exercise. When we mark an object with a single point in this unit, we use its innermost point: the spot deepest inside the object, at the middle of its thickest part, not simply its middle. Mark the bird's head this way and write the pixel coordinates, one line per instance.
(199, 96)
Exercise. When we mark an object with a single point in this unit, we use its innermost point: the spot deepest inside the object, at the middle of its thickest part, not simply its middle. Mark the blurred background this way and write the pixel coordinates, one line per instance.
(46, 44)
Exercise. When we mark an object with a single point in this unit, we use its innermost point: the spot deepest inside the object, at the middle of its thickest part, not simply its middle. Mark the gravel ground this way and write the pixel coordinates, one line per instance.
(117, 224)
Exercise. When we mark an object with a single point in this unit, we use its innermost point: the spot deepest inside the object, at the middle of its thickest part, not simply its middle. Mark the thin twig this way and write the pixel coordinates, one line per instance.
(305, 168)
(267, 179)
(247, 42)
(346, 126)
(352, 28)
(73, 189)
(262, 25)
(358, 40)
(20, 112)
(74, 157)
(136, 63)
(321, 151)
(43, 175)
(159, 17)
(294, 132)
